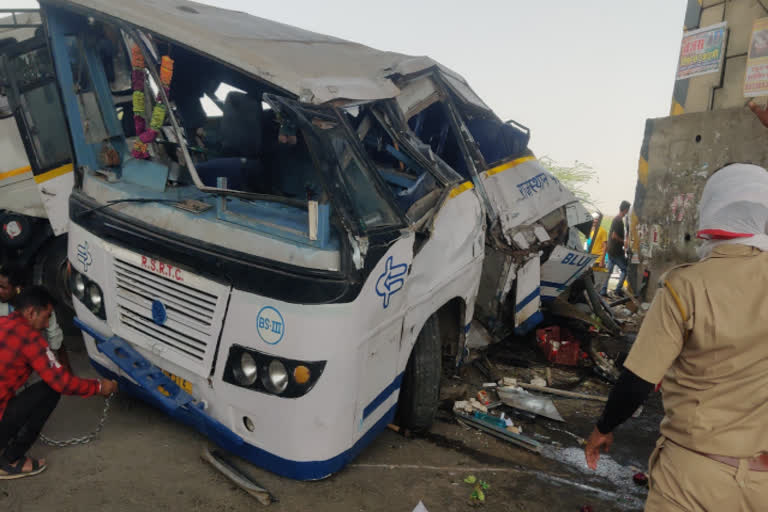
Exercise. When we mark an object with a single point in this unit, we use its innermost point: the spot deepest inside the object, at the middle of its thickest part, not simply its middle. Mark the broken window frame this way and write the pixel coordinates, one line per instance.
(29, 127)
(390, 118)
(329, 166)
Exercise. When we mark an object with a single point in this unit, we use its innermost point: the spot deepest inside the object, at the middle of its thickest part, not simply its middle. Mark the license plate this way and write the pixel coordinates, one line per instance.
(183, 384)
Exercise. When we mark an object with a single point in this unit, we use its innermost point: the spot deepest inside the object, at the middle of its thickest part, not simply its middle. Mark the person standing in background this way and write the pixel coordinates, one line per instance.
(617, 247)
(599, 240)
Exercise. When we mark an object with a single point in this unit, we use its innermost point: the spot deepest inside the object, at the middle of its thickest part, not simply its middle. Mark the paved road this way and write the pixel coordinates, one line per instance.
(145, 461)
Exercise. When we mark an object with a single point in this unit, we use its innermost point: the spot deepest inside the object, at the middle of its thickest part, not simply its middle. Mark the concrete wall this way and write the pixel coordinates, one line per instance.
(722, 90)
(681, 152)
(708, 127)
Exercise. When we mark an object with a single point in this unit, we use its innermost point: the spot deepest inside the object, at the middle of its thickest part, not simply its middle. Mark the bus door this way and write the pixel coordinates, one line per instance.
(34, 99)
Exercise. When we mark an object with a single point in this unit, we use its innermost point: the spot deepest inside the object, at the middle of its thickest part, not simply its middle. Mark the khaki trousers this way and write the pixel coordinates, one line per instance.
(686, 481)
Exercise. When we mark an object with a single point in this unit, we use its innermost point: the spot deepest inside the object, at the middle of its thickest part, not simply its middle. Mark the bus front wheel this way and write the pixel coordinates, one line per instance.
(420, 391)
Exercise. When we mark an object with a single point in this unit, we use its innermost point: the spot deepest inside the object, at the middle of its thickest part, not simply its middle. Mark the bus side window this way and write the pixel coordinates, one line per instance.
(93, 123)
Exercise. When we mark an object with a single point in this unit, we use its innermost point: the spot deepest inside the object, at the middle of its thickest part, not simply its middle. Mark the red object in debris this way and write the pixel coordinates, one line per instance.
(585, 508)
(640, 479)
(483, 398)
(559, 345)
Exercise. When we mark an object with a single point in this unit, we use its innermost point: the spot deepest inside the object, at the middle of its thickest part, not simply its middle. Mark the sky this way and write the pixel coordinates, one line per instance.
(583, 76)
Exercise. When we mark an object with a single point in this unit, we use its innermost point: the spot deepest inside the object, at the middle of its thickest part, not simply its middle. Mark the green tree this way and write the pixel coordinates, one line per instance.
(575, 177)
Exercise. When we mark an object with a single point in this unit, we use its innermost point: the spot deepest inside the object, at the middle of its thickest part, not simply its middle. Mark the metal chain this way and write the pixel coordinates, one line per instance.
(87, 438)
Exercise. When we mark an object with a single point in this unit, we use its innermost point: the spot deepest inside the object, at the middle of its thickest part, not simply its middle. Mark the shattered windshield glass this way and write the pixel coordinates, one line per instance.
(332, 144)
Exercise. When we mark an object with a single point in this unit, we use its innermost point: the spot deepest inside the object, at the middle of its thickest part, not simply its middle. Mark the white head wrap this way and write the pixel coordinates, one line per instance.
(734, 208)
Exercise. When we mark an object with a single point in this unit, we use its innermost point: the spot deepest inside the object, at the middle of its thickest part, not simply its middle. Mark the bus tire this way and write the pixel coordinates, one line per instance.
(420, 391)
(50, 270)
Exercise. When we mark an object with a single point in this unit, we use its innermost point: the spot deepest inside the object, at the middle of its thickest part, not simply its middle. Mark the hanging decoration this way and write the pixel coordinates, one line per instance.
(147, 134)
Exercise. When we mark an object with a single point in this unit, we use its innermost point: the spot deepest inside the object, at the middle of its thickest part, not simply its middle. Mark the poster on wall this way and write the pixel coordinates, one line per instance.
(702, 51)
(756, 75)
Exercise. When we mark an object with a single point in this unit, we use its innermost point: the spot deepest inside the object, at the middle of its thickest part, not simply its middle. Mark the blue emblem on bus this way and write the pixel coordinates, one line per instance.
(270, 325)
(159, 314)
(84, 256)
(391, 280)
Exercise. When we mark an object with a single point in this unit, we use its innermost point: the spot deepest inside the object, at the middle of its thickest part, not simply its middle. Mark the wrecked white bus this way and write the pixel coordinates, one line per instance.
(288, 267)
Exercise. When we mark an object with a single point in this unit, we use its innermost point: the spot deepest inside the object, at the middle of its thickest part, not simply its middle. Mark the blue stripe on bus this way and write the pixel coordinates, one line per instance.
(296, 469)
(551, 284)
(381, 397)
(532, 321)
(527, 300)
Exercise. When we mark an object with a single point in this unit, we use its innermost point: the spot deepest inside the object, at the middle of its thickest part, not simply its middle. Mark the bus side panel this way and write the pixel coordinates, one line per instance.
(447, 266)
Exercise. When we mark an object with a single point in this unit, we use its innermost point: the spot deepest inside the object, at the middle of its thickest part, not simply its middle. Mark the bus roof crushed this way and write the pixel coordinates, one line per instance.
(315, 68)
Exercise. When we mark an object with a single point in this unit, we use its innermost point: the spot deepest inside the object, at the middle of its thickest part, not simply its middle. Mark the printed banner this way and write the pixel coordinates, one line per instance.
(756, 76)
(702, 51)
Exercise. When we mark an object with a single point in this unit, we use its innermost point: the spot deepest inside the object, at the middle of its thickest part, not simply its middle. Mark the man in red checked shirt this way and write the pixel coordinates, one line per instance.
(22, 351)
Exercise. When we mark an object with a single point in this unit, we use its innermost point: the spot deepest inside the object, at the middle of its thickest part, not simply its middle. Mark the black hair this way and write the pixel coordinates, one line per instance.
(36, 296)
(624, 206)
(15, 274)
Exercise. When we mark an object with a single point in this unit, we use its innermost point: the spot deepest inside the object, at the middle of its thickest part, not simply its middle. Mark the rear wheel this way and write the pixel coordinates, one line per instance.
(420, 391)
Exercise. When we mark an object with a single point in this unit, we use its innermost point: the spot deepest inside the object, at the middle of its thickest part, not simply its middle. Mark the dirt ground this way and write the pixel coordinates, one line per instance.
(145, 461)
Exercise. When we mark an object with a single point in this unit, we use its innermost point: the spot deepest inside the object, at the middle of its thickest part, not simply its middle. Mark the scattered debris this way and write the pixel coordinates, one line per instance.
(463, 406)
(490, 419)
(622, 312)
(586, 508)
(483, 398)
(501, 433)
(471, 479)
(640, 479)
(508, 381)
(400, 430)
(221, 462)
(559, 346)
(521, 399)
(538, 381)
(478, 336)
(420, 508)
(564, 393)
(477, 405)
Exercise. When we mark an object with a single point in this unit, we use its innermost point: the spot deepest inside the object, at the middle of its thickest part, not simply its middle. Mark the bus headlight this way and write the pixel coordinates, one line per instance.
(277, 377)
(78, 285)
(288, 378)
(95, 298)
(246, 372)
(87, 292)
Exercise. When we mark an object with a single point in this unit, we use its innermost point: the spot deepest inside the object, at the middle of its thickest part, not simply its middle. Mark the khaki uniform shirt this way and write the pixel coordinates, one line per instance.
(714, 358)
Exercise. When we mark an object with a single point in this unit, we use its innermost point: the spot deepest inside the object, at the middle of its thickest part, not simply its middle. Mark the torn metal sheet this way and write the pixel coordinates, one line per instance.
(478, 336)
(520, 399)
(563, 267)
(528, 297)
(517, 439)
(523, 191)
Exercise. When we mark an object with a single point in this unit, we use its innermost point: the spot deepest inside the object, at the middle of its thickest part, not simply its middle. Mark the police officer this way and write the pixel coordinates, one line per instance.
(705, 339)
